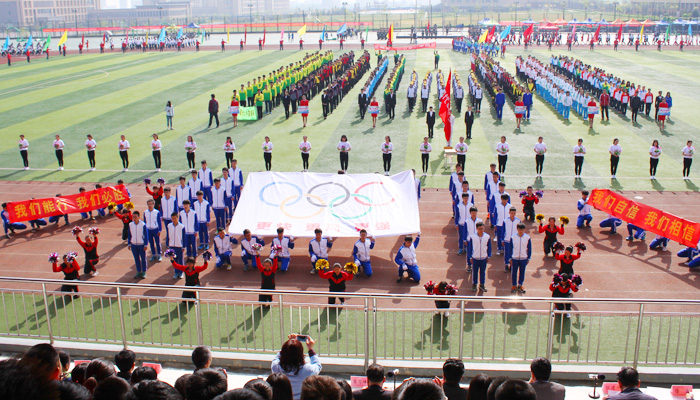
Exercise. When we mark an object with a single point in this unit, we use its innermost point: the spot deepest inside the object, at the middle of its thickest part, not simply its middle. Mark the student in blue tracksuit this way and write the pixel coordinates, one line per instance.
(406, 259)
(203, 211)
(500, 101)
(527, 102)
(319, 247)
(205, 175)
(502, 210)
(138, 238)
(176, 240)
(188, 218)
(286, 243)
(168, 206)
(584, 211)
(223, 247)
(521, 251)
(659, 242)
(635, 232)
(360, 253)
(237, 176)
(218, 203)
(461, 216)
(691, 253)
(154, 225)
(248, 251)
(480, 243)
(612, 223)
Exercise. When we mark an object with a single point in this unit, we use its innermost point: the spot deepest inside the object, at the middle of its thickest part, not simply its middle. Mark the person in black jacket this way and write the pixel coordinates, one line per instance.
(362, 102)
(430, 120)
(469, 121)
(391, 103)
(294, 97)
(452, 372)
(213, 111)
(635, 105)
(325, 100)
(375, 383)
(286, 99)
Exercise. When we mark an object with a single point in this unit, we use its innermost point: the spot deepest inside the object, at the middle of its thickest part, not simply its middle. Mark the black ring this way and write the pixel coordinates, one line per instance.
(347, 194)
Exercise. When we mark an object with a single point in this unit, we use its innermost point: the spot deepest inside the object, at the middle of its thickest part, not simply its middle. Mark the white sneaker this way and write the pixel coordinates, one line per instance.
(60, 168)
(663, 248)
(26, 168)
(125, 169)
(95, 273)
(568, 315)
(425, 174)
(612, 176)
(228, 267)
(157, 169)
(313, 271)
(447, 313)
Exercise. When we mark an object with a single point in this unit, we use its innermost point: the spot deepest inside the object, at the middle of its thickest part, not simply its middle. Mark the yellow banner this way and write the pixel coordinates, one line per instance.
(63, 39)
(482, 38)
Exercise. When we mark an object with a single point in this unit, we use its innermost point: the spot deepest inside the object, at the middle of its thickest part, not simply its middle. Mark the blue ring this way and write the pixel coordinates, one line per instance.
(262, 192)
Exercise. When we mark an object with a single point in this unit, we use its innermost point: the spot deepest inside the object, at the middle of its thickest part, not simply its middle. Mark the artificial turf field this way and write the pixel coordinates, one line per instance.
(113, 94)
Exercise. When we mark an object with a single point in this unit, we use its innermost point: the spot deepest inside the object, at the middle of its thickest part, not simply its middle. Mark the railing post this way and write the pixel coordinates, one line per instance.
(121, 316)
(374, 330)
(366, 333)
(461, 329)
(280, 304)
(639, 336)
(48, 316)
(198, 315)
(550, 331)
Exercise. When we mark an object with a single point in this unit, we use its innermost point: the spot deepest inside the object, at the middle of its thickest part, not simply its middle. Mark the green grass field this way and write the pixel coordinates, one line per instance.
(113, 94)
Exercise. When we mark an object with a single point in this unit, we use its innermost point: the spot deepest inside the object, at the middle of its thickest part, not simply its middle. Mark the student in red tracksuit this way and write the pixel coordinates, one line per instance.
(550, 234)
(336, 280)
(71, 270)
(604, 104)
(191, 276)
(529, 201)
(125, 216)
(566, 259)
(267, 269)
(592, 103)
(563, 289)
(91, 257)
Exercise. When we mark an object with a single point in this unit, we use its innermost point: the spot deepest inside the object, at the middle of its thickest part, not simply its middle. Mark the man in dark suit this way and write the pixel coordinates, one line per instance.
(452, 372)
(430, 120)
(540, 370)
(213, 111)
(286, 100)
(391, 98)
(325, 101)
(469, 121)
(628, 378)
(362, 103)
(374, 389)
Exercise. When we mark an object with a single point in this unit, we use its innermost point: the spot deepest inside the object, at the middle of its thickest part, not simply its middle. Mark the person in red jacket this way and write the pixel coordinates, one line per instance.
(336, 281)
(662, 118)
(304, 109)
(301, 44)
(592, 106)
(267, 269)
(9, 59)
(157, 194)
(519, 116)
(374, 110)
(125, 216)
(320, 44)
(223, 45)
(91, 257)
(191, 276)
(71, 272)
(566, 260)
(528, 201)
(604, 104)
(550, 234)
(563, 287)
(236, 108)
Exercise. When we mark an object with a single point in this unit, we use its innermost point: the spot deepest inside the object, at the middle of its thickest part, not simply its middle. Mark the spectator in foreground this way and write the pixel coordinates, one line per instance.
(77, 374)
(418, 389)
(478, 387)
(540, 370)
(239, 394)
(291, 362)
(260, 387)
(201, 357)
(111, 388)
(97, 371)
(141, 374)
(64, 358)
(43, 359)
(375, 385)
(19, 381)
(205, 384)
(281, 387)
(154, 390)
(320, 387)
(125, 360)
(628, 378)
(452, 372)
(70, 391)
(493, 387)
(515, 389)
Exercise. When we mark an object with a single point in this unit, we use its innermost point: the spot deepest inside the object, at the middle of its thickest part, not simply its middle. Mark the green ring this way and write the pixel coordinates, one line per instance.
(330, 206)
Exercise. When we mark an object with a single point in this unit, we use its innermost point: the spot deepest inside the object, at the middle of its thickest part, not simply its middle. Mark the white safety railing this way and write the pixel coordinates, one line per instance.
(369, 326)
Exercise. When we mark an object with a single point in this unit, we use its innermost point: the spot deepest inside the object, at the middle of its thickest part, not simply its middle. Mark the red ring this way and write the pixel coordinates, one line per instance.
(372, 205)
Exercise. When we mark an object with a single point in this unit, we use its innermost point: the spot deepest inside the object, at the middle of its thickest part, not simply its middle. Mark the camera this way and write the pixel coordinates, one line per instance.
(392, 374)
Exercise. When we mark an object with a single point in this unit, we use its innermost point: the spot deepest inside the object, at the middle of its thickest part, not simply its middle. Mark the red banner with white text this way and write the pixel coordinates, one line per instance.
(646, 217)
(430, 45)
(81, 202)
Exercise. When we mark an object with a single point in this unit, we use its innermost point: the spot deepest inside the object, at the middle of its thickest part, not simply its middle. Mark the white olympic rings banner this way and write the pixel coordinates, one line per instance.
(340, 205)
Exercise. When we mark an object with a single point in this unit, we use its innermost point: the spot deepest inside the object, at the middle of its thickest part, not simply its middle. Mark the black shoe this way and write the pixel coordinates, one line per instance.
(399, 279)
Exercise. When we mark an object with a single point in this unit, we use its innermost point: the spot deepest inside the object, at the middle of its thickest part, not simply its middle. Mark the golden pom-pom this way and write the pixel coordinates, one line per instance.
(351, 267)
(322, 264)
(539, 217)
(564, 220)
(129, 205)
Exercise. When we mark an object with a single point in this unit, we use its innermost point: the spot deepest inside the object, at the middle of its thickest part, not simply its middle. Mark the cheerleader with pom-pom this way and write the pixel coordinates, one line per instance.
(90, 248)
(156, 192)
(563, 287)
(191, 273)
(441, 289)
(550, 232)
(70, 269)
(337, 278)
(125, 216)
(566, 257)
(267, 269)
(529, 199)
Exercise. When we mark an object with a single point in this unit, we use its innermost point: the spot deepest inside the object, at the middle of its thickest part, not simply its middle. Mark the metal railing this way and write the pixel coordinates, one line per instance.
(369, 326)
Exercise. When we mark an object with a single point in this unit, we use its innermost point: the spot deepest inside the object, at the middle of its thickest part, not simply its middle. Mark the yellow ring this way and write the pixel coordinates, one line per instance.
(302, 217)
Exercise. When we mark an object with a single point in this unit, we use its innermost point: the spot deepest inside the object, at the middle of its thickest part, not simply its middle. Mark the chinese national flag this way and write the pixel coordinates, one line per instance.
(264, 34)
(445, 106)
(619, 34)
(528, 33)
(489, 37)
(596, 34)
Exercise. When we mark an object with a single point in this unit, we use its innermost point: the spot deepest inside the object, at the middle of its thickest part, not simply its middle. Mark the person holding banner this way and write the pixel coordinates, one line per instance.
(58, 146)
(234, 108)
(662, 112)
(267, 147)
(688, 152)
(8, 226)
(24, 150)
(344, 147)
(304, 109)
(593, 109)
(654, 153)
(360, 252)
(519, 111)
(406, 259)
(374, 111)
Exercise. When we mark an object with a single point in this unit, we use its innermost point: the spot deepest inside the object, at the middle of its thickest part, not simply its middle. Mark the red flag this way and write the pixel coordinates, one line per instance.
(445, 106)
(596, 34)
(619, 34)
(489, 36)
(245, 35)
(104, 38)
(528, 33)
(83, 41)
(264, 34)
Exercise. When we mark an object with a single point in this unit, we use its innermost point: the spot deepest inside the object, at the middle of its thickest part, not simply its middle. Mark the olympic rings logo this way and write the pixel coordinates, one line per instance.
(318, 202)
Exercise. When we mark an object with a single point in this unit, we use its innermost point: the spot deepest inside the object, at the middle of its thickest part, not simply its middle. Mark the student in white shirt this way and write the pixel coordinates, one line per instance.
(360, 252)
(285, 243)
(229, 149)
(190, 148)
(540, 149)
(207, 179)
(169, 113)
(521, 251)
(223, 247)
(176, 238)
(237, 182)
(510, 228)
(156, 146)
(688, 152)
(24, 151)
(90, 145)
(248, 251)
(189, 219)
(319, 247)
(138, 237)
(344, 147)
(58, 146)
(615, 150)
(218, 203)
(267, 147)
(195, 185)
(305, 148)
(579, 153)
(461, 149)
(425, 149)
(154, 225)
(387, 149)
(202, 209)
(502, 149)
(654, 153)
(124, 152)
